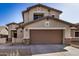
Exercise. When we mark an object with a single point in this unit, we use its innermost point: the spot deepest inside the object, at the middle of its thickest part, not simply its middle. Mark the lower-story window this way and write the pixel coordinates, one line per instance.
(14, 33)
(76, 34)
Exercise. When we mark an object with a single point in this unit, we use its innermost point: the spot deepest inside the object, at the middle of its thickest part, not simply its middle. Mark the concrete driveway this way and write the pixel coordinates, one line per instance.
(45, 49)
(59, 51)
(40, 50)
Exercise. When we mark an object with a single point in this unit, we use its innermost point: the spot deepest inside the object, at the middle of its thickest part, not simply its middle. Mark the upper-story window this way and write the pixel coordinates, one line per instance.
(38, 15)
(76, 34)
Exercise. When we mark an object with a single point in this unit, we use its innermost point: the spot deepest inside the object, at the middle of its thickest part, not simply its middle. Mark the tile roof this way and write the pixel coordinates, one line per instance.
(2, 32)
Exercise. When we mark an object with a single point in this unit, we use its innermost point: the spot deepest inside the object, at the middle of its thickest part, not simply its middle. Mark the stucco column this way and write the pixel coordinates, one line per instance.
(26, 36)
(67, 36)
(67, 33)
(26, 33)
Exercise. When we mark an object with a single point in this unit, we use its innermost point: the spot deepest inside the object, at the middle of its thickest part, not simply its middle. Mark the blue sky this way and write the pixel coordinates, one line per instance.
(11, 12)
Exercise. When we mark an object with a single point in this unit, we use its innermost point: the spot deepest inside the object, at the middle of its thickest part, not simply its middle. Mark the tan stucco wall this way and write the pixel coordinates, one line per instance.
(2, 40)
(53, 24)
(11, 27)
(28, 16)
(73, 32)
(26, 33)
(20, 33)
(23, 33)
(19, 38)
(67, 33)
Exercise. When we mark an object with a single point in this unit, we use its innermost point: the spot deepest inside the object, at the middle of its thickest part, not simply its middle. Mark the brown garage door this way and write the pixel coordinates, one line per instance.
(46, 36)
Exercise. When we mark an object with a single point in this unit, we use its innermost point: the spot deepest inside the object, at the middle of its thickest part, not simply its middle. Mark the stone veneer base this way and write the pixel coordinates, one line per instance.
(67, 41)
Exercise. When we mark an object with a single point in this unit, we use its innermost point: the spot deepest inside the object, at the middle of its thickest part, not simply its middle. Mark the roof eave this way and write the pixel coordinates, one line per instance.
(43, 6)
(68, 23)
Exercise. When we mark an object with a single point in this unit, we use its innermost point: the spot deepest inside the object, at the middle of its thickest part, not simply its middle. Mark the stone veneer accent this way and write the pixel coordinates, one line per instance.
(67, 41)
(26, 41)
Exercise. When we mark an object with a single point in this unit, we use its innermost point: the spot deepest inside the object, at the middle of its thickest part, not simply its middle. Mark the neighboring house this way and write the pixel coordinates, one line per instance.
(3, 34)
(42, 25)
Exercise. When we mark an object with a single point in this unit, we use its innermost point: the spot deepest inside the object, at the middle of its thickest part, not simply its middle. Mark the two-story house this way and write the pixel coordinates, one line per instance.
(42, 25)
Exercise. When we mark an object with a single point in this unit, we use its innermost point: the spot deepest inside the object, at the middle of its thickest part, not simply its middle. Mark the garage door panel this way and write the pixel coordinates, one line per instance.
(46, 36)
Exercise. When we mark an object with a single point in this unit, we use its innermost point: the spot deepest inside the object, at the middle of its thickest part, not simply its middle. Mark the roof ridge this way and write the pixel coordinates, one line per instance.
(39, 4)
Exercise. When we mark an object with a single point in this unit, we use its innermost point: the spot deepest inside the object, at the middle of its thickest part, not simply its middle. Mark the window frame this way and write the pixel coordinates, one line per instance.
(75, 33)
(38, 14)
(13, 33)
